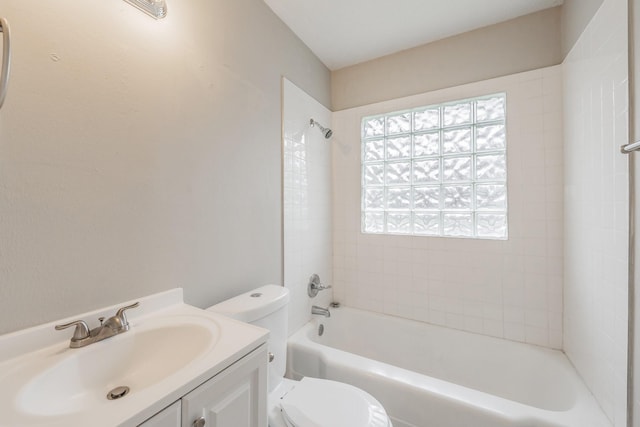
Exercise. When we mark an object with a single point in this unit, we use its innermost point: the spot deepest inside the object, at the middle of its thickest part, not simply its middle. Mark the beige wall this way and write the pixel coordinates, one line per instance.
(522, 44)
(140, 155)
(576, 15)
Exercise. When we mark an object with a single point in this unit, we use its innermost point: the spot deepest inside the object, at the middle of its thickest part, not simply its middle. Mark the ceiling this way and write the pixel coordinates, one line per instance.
(347, 32)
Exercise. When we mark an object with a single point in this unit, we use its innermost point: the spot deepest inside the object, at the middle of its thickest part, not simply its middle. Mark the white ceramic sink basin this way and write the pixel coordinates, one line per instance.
(81, 380)
(168, 351)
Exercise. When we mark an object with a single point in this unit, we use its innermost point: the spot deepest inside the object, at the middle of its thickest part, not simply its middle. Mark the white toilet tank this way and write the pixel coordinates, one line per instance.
(265, 307)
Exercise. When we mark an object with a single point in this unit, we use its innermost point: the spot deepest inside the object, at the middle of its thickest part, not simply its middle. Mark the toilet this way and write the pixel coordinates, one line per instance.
(310, 402)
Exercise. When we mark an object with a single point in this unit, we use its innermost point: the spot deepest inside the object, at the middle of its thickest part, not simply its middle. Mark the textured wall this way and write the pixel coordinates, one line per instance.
(510, 289)
(139, 155)
(596, 207)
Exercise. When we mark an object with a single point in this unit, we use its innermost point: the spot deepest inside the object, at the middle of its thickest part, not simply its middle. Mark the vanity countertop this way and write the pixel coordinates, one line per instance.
(170, 349)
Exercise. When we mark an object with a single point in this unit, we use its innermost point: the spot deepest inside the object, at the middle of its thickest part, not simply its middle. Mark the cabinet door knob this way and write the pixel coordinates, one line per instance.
(200, 422)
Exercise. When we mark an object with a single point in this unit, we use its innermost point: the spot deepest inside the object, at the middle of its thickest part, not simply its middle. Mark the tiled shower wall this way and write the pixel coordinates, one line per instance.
(306, 201)
(596, 207)
(510, 289)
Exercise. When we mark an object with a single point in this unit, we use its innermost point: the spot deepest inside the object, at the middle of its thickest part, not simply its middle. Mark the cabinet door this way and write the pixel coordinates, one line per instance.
(236, 397)
(168, 417)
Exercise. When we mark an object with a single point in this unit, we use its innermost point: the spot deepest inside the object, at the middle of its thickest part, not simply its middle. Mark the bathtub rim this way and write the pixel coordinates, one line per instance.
(583, 412)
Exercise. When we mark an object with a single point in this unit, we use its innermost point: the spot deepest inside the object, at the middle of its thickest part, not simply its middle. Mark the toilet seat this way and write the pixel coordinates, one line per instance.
(323, 403)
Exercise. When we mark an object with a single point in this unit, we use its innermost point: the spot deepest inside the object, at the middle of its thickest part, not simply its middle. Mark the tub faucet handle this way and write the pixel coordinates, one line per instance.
(315, 286)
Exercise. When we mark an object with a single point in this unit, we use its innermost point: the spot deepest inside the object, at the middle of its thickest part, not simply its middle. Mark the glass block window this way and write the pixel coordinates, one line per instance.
(439, 170)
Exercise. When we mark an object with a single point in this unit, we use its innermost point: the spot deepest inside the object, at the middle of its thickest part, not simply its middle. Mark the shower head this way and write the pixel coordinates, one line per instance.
(325, 131)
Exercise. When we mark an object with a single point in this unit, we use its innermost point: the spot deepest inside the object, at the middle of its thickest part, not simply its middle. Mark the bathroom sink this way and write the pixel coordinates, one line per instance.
(81, 379)
(122, 380)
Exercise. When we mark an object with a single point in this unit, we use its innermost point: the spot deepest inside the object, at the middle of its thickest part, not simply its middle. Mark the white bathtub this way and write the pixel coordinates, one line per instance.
(430, 376)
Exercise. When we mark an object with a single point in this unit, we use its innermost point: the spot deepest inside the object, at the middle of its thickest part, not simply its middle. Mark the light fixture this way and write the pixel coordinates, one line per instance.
(155, 8)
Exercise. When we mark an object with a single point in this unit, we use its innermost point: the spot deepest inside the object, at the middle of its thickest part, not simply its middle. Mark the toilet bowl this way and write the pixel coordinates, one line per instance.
(313, 402)
(310, 402)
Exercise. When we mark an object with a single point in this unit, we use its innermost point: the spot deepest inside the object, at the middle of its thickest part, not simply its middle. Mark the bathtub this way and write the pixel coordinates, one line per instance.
(430, 376)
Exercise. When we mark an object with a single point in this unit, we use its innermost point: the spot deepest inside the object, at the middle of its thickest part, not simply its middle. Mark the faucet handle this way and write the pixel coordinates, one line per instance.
(81, 332)
(315, 286)
(122, 316)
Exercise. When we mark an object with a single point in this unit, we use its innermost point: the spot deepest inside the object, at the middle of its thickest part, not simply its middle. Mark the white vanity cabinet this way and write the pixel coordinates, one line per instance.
(235, 397)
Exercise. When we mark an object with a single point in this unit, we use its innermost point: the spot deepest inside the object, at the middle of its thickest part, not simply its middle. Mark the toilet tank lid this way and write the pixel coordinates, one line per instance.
(255, 304)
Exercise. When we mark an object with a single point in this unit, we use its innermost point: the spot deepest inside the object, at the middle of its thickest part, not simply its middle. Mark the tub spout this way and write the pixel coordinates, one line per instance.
(321, 311)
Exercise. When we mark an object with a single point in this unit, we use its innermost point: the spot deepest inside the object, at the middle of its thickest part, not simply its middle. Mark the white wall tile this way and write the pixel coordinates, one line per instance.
(481, 286)
(307, 209)
(596, 209)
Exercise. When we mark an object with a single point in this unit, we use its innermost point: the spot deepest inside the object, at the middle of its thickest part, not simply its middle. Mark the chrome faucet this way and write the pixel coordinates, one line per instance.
(321, 311)
(314, 286)
(114, 325)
